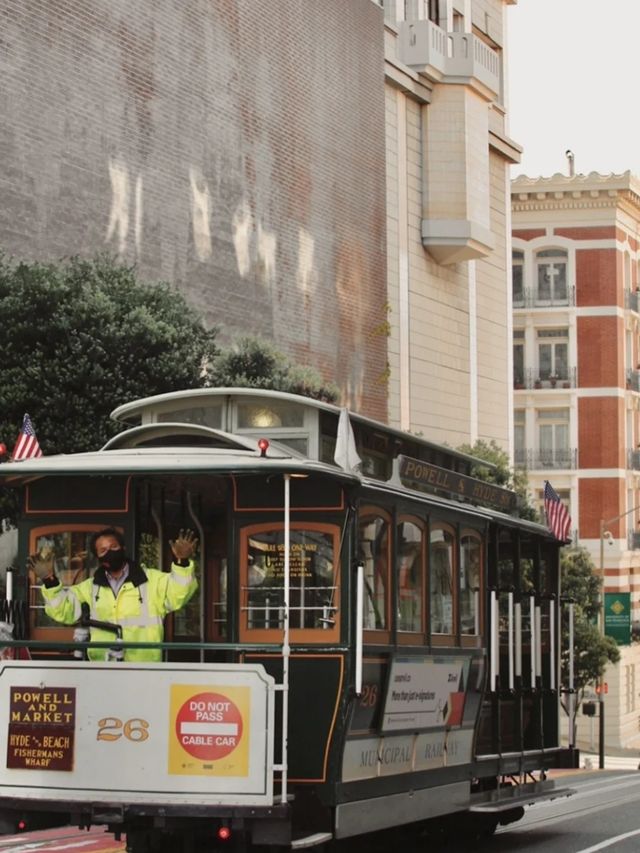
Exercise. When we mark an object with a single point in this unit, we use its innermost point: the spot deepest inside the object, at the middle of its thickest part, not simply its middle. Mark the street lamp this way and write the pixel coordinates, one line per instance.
(604, 534)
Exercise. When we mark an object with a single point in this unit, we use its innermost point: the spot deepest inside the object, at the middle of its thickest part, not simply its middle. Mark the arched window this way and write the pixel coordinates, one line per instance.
(470, 583)
(373, 550)
(442, 560)
(410, 573)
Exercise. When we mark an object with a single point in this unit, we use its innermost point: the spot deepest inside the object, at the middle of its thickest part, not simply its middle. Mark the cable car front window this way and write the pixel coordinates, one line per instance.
(312, 573)
(73, 562)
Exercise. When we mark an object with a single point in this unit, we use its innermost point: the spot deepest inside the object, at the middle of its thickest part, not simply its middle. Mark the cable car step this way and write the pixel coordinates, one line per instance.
(522, 798)
(311, 840)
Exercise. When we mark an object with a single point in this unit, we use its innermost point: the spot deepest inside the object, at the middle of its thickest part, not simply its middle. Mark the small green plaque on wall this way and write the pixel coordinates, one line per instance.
(617, 617)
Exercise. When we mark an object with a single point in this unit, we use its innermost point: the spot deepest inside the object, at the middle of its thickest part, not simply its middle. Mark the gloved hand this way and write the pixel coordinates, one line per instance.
(184, 546)
(41, 565)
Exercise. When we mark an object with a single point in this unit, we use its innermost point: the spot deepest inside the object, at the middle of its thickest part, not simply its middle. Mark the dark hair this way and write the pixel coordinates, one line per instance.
(108, 531)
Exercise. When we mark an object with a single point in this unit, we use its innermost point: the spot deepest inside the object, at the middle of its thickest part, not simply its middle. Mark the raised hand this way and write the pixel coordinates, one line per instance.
(41, 565)
(184, 546)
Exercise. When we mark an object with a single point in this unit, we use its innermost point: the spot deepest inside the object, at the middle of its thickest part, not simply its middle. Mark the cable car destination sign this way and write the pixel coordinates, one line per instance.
(416, 473)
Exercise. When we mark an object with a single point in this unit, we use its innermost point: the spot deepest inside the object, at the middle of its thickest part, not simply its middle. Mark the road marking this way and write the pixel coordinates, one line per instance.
(605, 844)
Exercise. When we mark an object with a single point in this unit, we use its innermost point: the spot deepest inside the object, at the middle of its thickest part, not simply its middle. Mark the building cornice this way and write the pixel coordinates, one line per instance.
(575, 192)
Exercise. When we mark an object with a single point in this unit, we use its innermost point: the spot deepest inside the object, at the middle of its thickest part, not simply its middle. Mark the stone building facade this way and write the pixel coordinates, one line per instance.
(235, 148)
(448, 215)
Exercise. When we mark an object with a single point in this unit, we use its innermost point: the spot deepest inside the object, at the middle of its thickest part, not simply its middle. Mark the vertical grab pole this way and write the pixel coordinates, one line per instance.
(9, 584)
(286, 649)
(511, 647)
(494, 640)
(538, 641)
(198, 524)
(552, 643)
(571, 696)
(533, 643)
(518, 628)
(359, 626)
(476, 611)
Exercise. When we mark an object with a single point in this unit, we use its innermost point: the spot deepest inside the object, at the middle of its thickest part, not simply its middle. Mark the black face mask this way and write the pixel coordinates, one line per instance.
(113, 561)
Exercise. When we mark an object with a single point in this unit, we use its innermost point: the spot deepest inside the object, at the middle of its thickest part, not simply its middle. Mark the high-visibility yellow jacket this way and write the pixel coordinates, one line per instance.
(142, 602)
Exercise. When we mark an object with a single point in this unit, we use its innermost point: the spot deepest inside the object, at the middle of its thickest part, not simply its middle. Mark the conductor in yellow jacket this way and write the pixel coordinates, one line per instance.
(122, 592)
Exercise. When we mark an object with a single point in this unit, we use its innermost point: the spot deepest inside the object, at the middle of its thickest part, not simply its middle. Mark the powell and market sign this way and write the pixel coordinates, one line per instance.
(414, 472)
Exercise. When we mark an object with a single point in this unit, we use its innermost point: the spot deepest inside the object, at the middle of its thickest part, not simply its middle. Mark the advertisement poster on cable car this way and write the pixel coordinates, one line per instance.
(425, 693)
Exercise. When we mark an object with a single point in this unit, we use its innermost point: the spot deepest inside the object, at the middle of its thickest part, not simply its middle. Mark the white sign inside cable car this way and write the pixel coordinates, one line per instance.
(160, 733)
(425, 692)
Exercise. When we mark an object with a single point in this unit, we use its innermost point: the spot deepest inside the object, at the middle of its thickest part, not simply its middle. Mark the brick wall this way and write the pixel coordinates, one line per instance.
(600, 498)
(596, 277)
(604, 336)
(233, 147)
(601, 432)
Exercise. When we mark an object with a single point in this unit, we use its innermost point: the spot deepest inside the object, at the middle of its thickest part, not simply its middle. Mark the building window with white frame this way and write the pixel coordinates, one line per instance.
(517, 278)
(551, 277)
(553, 354)
(519, 438)
(553, 439)
(518, 358)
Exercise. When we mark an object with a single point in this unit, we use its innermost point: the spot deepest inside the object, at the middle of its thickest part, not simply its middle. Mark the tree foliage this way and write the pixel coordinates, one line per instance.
(254, 363)
(82, 337)
(591, 650)
(502, 474)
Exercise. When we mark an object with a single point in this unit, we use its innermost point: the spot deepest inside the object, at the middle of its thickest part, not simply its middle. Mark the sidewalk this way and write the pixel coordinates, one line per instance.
(628, 759)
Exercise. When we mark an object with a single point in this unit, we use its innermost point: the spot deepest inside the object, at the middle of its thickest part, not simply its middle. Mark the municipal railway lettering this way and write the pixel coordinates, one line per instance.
(387, 755)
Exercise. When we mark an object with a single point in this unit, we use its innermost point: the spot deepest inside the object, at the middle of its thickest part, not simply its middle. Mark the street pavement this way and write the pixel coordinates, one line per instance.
(62, 839)
(66, 839)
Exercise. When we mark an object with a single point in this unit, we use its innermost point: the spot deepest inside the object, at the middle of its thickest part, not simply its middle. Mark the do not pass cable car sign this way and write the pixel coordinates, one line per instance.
(210, 733)
(209, 726)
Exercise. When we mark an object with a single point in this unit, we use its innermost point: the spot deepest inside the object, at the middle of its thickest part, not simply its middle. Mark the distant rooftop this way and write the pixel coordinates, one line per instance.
(625, 185)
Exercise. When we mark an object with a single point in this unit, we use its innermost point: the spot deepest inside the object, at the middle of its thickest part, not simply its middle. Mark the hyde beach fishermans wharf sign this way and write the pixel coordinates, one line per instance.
(418, 474)
(41, 728)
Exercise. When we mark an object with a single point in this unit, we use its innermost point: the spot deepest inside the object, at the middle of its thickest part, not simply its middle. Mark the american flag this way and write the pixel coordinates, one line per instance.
(558, 518)
(27, 446)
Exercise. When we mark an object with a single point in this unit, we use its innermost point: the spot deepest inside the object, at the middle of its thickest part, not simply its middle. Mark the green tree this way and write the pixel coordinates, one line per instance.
(254, 363)
(591, 651)
(82, 337)
(501, 474)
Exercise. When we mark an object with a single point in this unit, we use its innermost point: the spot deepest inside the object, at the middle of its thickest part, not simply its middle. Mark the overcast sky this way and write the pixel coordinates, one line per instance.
(575, 83)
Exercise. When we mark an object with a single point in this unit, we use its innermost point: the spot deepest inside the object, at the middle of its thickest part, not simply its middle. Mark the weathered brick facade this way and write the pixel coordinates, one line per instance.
(233, 147)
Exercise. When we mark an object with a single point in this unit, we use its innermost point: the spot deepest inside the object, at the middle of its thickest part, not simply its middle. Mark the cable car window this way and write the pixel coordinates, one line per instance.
(529, 564)
(313, 580)
(269, 414)
(506, 571)
(470, 583)
(73, 562)
(441, 574)
(374, 553)
(410, 545)
(209, 415)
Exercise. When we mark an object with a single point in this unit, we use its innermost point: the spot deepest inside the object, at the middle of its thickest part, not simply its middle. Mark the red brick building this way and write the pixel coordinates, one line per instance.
(576, 369)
